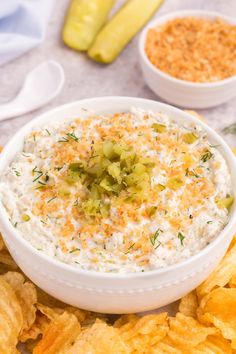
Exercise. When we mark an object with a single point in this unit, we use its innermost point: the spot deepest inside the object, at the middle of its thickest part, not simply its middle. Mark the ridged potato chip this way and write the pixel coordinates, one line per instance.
(166, 346)
(141, 333)
(186, 332)
(213, 345)
(38, 327)
(59, 335)
(99, 339)
(189, 304)
(26, 294)
(11, 318)
(219, 308)
(221, 275)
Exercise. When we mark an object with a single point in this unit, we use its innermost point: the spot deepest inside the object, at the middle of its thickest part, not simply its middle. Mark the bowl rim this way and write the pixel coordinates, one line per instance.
(6, 224)
(175, 14)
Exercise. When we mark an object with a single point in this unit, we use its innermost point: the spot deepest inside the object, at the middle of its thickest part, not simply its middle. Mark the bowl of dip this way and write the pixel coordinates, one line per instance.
(187, 58)
(117, 204)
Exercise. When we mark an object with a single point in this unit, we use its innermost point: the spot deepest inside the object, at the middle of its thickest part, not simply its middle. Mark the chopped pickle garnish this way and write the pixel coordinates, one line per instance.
(151, 211)
(160, 187)
(159, 128)
(25, 217)
(225, 202)
(175, 183)
(64, 190)
(189, 138)
(113, 168)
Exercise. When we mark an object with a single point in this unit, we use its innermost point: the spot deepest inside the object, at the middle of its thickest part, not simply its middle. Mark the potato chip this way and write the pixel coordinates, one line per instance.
(186, 332)
(99, 339)
(213, 345)
(59, 335)
(219, 308)
(11, 318)
(189, 304)
(166, 346)
(141, 333)
(38, 327)
(234, 150)
(232, 282)
(221, 275)
(26, 295)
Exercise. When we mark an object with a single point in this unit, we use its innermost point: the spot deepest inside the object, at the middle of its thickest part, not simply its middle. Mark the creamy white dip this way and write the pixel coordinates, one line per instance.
(185, 207)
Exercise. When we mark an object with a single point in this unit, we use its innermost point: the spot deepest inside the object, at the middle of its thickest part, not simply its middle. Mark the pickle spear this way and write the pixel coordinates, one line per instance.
(117, 33)
(84, 20)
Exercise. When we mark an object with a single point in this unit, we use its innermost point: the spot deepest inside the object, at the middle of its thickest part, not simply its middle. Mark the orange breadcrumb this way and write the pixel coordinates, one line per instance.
(194, 49)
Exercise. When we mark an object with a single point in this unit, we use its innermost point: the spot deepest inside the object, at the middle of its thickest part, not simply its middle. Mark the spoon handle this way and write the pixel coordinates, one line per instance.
(10, 110)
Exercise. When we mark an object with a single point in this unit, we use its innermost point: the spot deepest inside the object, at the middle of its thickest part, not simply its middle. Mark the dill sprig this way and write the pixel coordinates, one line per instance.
(231, 129)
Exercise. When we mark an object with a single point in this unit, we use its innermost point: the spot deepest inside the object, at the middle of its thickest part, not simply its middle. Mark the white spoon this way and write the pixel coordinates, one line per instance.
(41, 85)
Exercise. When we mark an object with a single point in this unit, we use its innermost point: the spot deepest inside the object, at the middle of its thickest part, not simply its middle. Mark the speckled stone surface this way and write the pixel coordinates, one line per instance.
(85, 78)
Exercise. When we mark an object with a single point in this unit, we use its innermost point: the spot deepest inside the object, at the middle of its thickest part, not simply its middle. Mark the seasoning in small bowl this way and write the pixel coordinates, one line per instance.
(193, 49)
(189, 58)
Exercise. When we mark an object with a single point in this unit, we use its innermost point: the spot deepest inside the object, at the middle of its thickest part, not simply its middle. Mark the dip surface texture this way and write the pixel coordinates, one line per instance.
(127, 192)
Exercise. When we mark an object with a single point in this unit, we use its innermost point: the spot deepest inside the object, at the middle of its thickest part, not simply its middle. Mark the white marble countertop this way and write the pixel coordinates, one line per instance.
(85, 78)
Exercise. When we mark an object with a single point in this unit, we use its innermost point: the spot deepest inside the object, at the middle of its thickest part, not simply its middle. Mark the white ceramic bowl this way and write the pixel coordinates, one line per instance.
(180, 92)
(104, 292)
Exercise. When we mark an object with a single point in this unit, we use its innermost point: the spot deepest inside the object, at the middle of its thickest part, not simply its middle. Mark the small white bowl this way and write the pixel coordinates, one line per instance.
(180, 92)
(113, 292)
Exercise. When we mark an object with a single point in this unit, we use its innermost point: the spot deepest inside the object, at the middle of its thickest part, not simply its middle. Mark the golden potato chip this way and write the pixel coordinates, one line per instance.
(219, 308)
(221, 275)
(143, 332)
(213, 345)
(99, 339)
(189, 304)
(232, 282)
(38, 327)
(11, 318)
(234, 150)
(186, 332)
(165, 346)
(26, 295)
(59, 335)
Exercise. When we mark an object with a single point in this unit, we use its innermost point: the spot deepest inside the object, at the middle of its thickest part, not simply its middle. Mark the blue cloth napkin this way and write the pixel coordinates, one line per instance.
(22, 26)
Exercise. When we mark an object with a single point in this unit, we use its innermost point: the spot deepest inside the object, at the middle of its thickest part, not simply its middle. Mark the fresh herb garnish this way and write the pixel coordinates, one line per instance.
(58, 168)
(51, 199)
(209, 222)
(231, 129)
(214, 146)
(154, 237)
(17, 173)
(68, 136)
(206, 156)
(16, 223)
(72, 136)
(48, 131)
(181, 237)
(63, 140)
(191, 173)
(130, 247)
(43, 222)
(74, 250)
